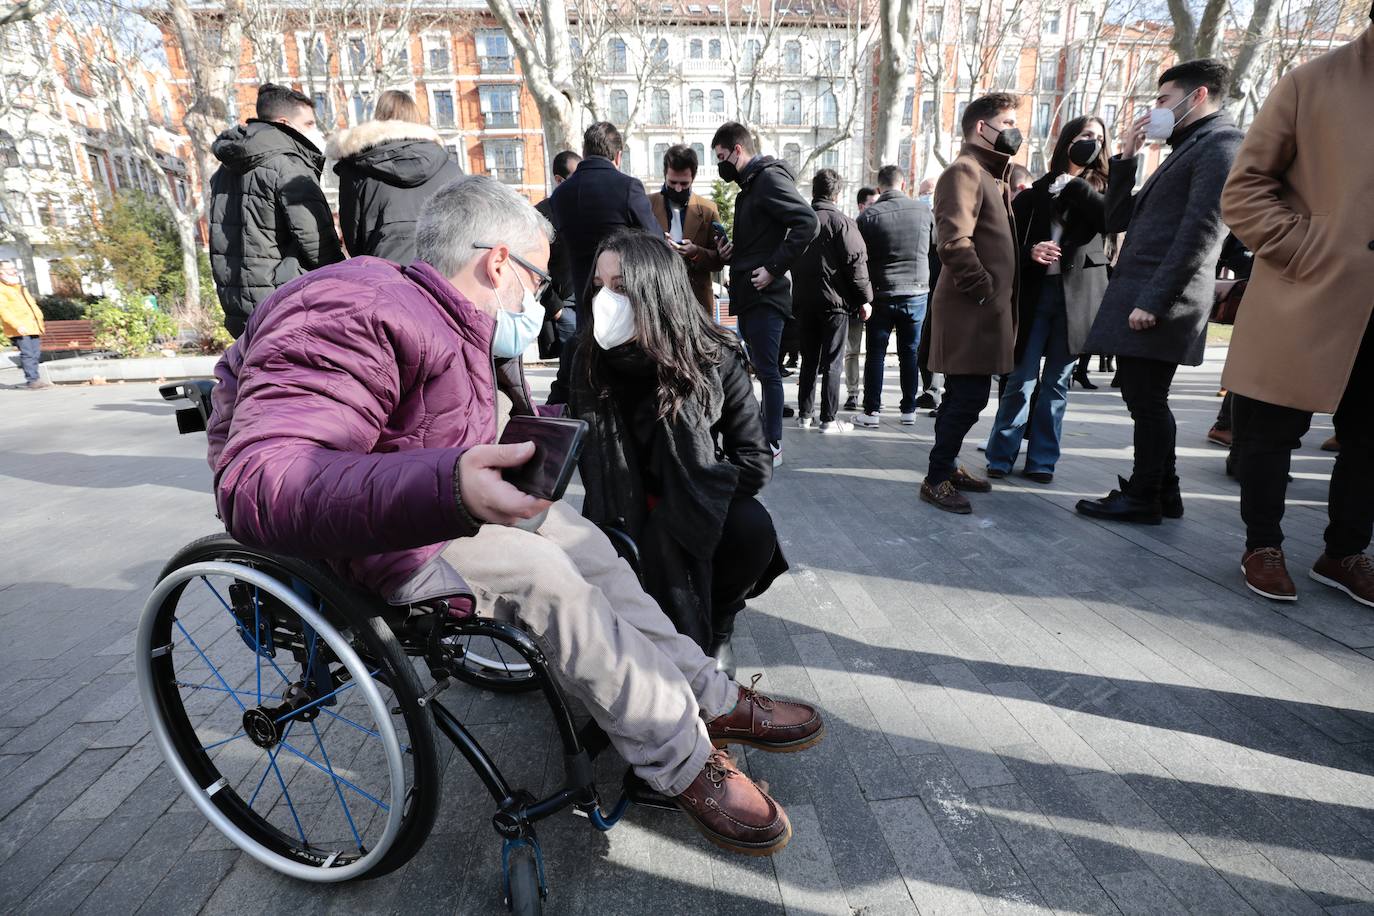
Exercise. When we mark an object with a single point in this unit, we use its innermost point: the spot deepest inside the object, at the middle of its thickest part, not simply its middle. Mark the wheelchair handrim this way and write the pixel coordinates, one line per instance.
(202, 796)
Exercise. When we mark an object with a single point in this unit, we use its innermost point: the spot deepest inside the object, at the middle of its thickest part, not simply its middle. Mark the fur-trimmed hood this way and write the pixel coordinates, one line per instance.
(397, 152)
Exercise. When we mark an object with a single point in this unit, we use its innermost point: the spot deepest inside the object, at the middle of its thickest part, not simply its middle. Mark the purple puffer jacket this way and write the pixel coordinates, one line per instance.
(341, 413)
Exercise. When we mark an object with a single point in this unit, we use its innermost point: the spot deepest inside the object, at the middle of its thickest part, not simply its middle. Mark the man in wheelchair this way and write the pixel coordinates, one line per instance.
(355, 421)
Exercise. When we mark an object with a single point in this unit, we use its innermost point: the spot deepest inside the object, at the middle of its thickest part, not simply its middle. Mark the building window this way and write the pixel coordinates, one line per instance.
(63, 156)
(713, 49)
(1114, 77)
(935, 24)
(443, 108)
(362, 107)
(717, 101)
(696, 102)
(830, 159)
(792, 56)
(833, 54)
(927, 112)
(659, 107)
(971, 27)
(576, 47)
(829, 110)
(38, 154)
(9, 151)
(1043, 116)
(620, 106)
(660, 150)
(436, 59)
(791, 107)
(694, 49)
(752, 52)
(500, 106)
(908, 107)
(615, 57)
(1049, 75)
(625, 166)
(791, 154)
(904, 155)
(505, 160)
(324, 112)
(958, 126)
(1089, 23)
(659, 54)
(1109, 116)
(357, 55)
(1052, 23)
(700, 150)
(1006, 71)
(753, 107)
(319, 57)
(493, 53)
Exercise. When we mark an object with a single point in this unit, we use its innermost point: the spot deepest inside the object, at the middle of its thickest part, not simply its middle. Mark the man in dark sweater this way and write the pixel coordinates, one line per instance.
(773, 226)
(896, 230)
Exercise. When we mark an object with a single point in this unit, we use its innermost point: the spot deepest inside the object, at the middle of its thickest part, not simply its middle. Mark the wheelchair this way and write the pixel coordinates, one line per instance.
(288, 706)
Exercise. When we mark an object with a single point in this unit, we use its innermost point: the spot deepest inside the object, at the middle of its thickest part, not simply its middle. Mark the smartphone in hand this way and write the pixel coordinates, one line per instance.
(557, 445)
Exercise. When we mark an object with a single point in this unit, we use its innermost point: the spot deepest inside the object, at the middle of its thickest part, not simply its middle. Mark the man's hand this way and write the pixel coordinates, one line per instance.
(485, 494)
(724, 248)
(761, 278)
(1134, 137)
(1046, 253)
(1141, 320)
(690, 250)
(865, 311)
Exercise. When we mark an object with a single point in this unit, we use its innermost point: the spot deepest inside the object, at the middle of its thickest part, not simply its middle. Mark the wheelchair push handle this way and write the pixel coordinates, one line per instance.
(196, 418)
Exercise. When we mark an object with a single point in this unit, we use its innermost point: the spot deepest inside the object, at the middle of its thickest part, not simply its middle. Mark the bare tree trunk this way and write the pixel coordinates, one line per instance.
(1261, 22)
(1194, 38)
(897, 24)
(544, 60)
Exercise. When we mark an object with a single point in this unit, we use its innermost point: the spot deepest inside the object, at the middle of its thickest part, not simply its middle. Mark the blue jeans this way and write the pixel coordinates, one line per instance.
(30, 350)
(905, 315)
(761, 328)
(1048, 338)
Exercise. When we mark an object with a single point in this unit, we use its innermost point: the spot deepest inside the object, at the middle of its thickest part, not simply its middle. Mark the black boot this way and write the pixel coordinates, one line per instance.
(1123, 506)
(1080, 375)
(1171, 498)
(724, 654)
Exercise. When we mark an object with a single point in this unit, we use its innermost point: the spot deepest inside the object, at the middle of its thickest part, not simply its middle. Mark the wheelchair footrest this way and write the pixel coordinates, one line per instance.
(639, 792)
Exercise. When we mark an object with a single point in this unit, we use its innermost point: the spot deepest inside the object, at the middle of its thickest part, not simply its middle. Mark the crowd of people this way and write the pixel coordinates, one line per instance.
(356, 416)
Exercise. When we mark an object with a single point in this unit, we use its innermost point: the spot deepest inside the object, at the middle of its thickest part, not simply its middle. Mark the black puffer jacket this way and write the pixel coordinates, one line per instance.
(897, 231)
(773, 226)
(269, 220)
(832, 274)
(387, 171)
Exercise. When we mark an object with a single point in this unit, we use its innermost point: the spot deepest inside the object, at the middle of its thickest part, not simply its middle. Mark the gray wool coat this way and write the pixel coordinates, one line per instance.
(1174, 233)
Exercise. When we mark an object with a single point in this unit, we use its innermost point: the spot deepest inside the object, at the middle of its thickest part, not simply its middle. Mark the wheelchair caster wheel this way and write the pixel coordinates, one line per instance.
(525, 888)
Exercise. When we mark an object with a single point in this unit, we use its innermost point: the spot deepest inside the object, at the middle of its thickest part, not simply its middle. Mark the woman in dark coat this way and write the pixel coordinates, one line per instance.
(1060, 224)
(676, 453)
(387, 169)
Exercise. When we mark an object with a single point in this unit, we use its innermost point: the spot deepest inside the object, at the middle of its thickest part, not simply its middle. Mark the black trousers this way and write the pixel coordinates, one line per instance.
(823, 339)
(923, 349)
(1265, 436)
(965, 398)
(746, 547)
(1145, 389)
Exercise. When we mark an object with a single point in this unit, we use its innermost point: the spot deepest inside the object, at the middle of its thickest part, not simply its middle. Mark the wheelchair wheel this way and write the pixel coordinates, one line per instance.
(524, 894)
(492, 665)
(288, 712)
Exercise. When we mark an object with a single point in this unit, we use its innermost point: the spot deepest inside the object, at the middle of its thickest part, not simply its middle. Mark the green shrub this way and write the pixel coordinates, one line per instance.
(63, 308)
(134, 328)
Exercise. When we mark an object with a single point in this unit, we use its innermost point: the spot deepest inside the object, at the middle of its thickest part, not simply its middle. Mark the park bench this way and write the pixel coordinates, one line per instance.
(68, 335)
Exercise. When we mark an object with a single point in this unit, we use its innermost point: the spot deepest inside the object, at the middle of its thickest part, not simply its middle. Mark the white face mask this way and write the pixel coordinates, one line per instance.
(316, 138)
(515, 331)
(1163, 123)
(613, 319)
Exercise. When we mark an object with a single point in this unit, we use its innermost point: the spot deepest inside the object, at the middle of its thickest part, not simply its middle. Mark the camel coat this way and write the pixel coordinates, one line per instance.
(973, 311)
(1301, 197)
(696, 228)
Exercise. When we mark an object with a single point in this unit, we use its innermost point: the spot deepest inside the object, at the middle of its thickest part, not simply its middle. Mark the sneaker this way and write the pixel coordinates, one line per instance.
(866, 420)
(777, 453)
(946, 498)
(785, 372)
(833, 427)
(1266, 574)
(731, 811)
(1218, 436)
(38, 384)
(909, 419)
(850, 406)
(1353, 575)
(804, 423)
(967, 483)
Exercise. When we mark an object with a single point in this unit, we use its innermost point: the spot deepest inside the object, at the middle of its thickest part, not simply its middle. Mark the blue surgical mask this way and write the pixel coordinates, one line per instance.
(515, 331)
(926, 199)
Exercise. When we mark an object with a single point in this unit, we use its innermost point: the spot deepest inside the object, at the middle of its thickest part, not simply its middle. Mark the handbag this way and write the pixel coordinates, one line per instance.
(1227, 299)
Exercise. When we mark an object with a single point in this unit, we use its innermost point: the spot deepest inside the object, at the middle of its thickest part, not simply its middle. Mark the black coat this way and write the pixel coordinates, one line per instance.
(562, 292)
(1083, 259)
(387, 171)
(832, 274)
(773, 226)
(593, 203)
(698, 464)
(269, 219)
(897, 230)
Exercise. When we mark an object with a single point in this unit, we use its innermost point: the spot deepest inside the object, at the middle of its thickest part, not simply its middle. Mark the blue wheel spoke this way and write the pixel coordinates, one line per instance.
(313, 703)
(246, 693)
(372, 798)
(257, 629)
(337, 791)
(211, 747)
(213, 669)
(268, 769)
(362, 728)
(287, 795)
(257, 648)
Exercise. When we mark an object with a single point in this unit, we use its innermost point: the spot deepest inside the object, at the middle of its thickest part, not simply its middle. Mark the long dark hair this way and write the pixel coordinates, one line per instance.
(671, 328)
(1096, 171)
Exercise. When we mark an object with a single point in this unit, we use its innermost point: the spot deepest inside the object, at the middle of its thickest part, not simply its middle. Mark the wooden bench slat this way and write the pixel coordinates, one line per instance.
(77, 334)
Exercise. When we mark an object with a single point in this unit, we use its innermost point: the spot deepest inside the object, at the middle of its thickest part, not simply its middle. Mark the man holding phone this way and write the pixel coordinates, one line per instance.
(688, 220)
(353, 421)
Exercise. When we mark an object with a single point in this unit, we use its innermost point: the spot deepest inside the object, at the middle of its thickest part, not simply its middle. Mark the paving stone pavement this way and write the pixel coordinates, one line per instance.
(1028, 710)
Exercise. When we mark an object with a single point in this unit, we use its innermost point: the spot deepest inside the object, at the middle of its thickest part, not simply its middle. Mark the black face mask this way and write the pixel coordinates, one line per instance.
(727, 170)
(678, 197)
(1008, 141)
(1084, 152)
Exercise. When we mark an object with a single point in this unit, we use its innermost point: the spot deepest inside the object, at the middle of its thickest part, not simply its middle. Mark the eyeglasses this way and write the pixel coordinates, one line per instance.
(545, 280)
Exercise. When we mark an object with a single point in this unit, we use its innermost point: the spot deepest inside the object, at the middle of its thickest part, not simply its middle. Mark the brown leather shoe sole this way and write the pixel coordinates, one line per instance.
(790, 747)
(1261, 592)
(748, 849)
(1338, 586)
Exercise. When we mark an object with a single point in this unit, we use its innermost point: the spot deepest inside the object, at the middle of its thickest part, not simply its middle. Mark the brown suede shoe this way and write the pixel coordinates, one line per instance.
(1331, 445)
(1352, 575)
(966, 482)
(947, 498)
(767, 724)
(732, 812)
(1266, 574)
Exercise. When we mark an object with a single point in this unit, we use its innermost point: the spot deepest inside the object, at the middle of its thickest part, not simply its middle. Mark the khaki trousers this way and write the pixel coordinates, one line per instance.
(609, 643)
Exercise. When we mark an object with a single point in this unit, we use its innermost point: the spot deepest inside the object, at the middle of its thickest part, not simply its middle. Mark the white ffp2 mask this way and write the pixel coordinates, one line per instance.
(613, 319)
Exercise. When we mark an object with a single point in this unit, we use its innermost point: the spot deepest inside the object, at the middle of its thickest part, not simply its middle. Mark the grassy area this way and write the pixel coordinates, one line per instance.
(1218, 335)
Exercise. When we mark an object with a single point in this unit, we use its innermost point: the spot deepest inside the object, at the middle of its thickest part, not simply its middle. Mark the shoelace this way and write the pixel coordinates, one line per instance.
(717, 769)
(1360, 563)
(1271, 558)
(753, 696)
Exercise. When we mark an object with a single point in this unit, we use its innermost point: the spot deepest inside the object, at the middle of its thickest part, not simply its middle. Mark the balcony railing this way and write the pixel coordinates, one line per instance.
(497, 64)
(508, 175)
(498, 120)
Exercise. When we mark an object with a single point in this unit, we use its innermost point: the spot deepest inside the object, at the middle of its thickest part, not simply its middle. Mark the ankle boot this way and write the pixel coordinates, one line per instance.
(1171, 498)
(724, 654)
(1081, 377)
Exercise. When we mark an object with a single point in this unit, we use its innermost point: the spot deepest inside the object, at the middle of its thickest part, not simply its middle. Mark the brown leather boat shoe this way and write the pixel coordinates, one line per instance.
(732, 812)
(767, 724)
